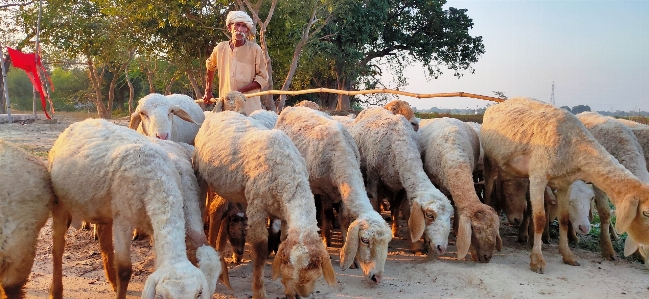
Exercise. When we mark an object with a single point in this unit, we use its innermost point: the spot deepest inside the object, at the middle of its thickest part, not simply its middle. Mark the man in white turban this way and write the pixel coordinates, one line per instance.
(240, 62)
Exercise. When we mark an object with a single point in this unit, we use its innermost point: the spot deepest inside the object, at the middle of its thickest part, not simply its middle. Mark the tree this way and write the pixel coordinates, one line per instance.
(580, 108)
(364, 34)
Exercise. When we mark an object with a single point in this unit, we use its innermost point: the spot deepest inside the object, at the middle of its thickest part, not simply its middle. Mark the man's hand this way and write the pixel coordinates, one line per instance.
(207, 98)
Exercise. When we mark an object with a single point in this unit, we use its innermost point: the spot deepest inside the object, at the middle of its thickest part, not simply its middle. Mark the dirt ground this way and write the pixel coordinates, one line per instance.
(406, 275)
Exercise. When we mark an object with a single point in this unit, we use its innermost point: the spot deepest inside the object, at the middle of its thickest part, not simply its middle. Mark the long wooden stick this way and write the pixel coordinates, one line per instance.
(383, 90)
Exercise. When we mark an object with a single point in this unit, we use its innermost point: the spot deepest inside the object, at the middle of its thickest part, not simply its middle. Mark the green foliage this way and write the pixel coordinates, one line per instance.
(21, 94)
(462, 117)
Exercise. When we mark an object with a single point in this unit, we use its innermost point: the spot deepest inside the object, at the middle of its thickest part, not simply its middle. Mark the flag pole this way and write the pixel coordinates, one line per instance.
(6, 88)
(38, 30)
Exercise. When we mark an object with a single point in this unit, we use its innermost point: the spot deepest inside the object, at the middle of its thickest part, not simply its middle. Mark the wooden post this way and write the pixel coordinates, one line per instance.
(6, 88)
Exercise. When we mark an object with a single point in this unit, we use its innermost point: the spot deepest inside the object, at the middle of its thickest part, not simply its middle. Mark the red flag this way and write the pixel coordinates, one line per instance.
(31, 66)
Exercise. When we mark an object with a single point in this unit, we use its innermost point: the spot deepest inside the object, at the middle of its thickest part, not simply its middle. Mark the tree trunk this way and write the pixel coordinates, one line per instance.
(96, 84)
(192, 80)
(111, 97)
(343, 100)
(3, 100)
(131, 92)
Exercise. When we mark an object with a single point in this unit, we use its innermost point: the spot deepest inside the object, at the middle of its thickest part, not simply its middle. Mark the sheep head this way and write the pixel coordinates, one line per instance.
(237, 223)
(478, 231)
(308, 104)
(580, 197)
(367, 241)
(300, 260)
(233, 101)
(154, 116)
(402, 107)
(513, 195)
(431, 214)
(632, 215)
(181, 280)
(212, 266)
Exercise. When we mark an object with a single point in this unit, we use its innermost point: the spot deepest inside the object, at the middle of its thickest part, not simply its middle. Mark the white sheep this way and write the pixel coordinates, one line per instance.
(399, 107)
(173, 117)
(451, 150)
(25, 203)
(641, 133)
(267, 118)
(245, 162)
(308, 104)
(115, 177)
(346, 120)
(233, 101)
(198, 247)
(333, 162)
(621, 143)
(527, 138)
(391, 161)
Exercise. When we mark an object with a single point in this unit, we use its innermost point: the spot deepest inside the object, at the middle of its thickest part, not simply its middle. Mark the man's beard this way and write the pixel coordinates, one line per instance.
(238, 35)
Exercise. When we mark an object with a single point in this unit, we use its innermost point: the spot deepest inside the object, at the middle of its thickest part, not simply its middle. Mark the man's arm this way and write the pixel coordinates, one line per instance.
(209, 78)
(251, 86)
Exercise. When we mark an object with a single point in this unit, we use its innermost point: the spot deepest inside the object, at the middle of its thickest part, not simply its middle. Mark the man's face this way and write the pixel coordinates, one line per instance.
(239, 30)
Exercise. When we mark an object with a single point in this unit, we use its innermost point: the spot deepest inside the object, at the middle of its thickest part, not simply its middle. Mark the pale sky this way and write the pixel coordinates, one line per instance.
(596, 52)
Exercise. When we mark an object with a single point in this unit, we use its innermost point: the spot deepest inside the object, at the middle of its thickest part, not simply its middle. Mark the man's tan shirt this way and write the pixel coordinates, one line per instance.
(237, 68)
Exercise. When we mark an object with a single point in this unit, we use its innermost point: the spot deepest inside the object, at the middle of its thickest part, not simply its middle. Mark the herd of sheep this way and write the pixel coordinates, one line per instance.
(279, 182)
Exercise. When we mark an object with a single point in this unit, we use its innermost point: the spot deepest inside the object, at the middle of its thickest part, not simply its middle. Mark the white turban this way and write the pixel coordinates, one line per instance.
(236, 16)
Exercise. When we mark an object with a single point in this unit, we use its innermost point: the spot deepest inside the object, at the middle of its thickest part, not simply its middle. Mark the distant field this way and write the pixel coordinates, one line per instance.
(467, 118)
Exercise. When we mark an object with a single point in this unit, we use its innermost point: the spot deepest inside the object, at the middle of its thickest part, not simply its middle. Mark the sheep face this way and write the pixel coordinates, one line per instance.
(367, 241)
(633, 215)
(513, 193)
(403, 108)
(181, 281)
(155, 115)
(300, 260)
(237, 227)
(580, 197)
(233, 101)
(478, 231)
(432, 218)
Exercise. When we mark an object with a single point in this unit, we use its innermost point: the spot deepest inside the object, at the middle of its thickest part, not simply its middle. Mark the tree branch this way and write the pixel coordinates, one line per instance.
(16, 4)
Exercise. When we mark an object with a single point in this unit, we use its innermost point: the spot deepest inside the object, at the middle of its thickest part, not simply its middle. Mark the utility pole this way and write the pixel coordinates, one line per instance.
(552, 95)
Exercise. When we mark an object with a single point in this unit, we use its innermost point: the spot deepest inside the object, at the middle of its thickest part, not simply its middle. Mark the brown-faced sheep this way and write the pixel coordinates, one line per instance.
(399, 107)
(243, 161)
(25, 205)
(527, 138)
(451, 149)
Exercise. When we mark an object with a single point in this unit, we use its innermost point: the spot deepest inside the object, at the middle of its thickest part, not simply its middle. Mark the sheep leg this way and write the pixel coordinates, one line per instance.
(604, 211)
(105, 234)
(489, 179)
(122, 244)
(258, 237)
(563, 201)
(60, 223)
(524, 227)
(14, 291)
(537, 191)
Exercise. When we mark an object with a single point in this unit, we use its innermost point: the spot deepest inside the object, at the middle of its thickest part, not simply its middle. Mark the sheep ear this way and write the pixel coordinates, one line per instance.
(348, 252)
(177, 111)
(463, 237)
(223, 232)
(149, 287)
(625, 212)
(136, 118)
(630, 246)
(327, 269)
(218, 106)
(224, 277)
(416, 222)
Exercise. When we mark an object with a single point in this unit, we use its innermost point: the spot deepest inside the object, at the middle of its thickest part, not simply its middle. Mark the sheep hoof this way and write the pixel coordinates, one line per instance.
(571, 263)
(537, 263)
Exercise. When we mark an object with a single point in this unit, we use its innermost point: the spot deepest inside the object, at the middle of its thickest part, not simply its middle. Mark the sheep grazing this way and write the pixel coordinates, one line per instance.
(308, 104)
(174, 117)
(25, 205)
(333, 162)
(527, 138)
(115, 177)
(622, 144)
(451, 151)
(345, 120)
(403, 108)
(197, 245)
(391, 161)
(244, 162)
(228, 223)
